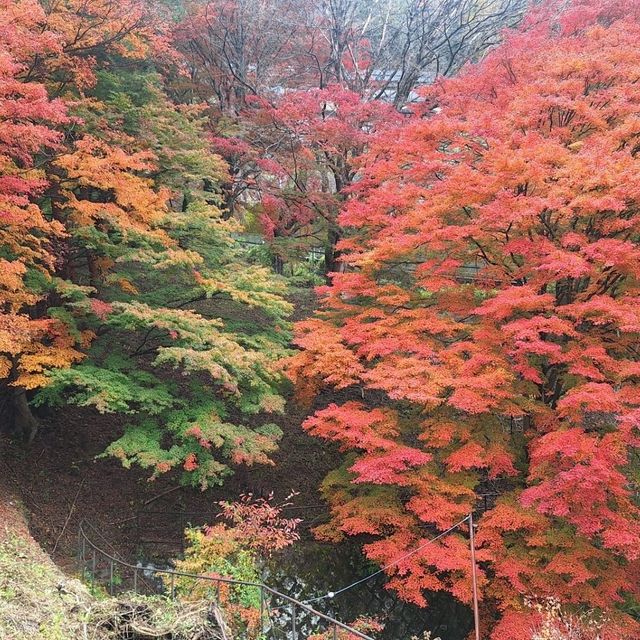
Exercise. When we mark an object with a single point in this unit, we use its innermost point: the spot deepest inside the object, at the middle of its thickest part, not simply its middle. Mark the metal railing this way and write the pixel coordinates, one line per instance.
(289, 619)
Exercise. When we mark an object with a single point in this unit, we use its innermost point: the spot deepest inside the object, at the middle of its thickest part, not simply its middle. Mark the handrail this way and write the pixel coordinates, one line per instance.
(295, 604)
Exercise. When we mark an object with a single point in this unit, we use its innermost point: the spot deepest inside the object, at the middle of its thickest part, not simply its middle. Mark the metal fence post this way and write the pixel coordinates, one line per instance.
(261, 609)
(78, 555)
(474, 581)
(81, 553)
(294, 632)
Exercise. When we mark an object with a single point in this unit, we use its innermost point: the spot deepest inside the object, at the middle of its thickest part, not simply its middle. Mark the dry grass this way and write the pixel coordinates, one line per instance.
(141, 617)
(37, 602)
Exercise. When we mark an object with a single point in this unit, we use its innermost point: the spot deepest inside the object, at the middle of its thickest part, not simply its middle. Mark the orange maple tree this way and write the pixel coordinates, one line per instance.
(110, 228)
(487, 328)
(29, 345)
(49, 56)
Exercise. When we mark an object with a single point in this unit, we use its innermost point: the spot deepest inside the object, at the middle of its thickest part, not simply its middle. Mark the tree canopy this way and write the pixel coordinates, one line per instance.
(117, 256)
(487, 325)
(472, 176)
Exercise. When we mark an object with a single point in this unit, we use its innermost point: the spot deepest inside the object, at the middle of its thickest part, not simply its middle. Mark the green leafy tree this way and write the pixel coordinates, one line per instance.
(183, 332)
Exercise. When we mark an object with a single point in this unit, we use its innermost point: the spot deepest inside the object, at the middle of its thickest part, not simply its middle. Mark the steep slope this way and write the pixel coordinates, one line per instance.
(39, 602)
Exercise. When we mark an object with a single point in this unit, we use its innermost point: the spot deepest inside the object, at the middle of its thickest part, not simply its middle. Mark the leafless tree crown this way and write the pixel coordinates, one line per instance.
(378, 48)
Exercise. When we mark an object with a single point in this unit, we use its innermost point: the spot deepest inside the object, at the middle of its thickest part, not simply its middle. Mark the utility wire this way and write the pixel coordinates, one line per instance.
(333, 594)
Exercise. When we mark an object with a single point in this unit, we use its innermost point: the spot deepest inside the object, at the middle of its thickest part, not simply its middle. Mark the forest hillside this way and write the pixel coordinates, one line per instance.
(319, 319)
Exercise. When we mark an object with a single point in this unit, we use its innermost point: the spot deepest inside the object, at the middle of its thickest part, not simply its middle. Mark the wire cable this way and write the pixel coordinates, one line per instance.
(333, 594)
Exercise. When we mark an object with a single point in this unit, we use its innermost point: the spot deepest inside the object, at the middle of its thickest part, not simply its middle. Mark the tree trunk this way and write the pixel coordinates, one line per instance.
(25, 423)
(331, 254)
(16, 416)
(277, 264)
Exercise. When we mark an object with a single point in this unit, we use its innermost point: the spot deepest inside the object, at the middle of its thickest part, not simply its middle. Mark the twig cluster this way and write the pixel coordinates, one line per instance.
(140, 618)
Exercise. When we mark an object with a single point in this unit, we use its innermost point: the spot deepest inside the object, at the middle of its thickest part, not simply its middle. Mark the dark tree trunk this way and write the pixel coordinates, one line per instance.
(331, 254)
(16, 417)
(24, 421)
(278, 264)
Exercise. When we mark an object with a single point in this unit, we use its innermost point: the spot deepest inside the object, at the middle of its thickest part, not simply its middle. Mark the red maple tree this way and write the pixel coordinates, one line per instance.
(488, 324)
(297, 158)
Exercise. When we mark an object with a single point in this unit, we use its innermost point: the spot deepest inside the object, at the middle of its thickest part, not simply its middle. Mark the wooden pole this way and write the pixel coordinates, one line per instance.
(474, 579)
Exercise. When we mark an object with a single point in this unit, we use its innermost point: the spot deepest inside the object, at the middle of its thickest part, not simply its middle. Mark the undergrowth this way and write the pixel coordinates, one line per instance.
(38, 602)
